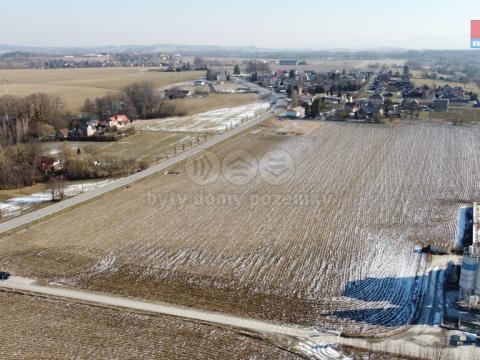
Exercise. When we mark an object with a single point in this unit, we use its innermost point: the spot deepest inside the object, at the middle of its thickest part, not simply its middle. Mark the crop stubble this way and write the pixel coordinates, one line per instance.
(348, 259)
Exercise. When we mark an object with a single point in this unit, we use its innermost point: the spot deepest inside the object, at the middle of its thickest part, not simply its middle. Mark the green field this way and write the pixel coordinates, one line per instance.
(73, 86)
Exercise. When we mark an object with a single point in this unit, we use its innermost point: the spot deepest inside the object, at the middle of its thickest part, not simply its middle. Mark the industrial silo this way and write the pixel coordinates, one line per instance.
(477, 282)
(468, 275)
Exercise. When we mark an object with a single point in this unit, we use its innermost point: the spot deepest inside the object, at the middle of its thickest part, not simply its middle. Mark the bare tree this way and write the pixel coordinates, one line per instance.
(57, 188)
(257, 67)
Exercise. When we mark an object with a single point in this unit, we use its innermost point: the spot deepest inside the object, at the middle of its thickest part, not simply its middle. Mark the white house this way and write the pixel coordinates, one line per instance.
(297, 112)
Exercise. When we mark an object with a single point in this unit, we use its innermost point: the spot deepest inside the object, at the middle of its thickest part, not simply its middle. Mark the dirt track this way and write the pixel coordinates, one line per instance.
(46, 328)
(345, 260)
(30, 285)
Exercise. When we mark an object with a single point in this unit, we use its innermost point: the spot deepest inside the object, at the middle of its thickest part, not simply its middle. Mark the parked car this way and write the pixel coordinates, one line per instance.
(4, 275)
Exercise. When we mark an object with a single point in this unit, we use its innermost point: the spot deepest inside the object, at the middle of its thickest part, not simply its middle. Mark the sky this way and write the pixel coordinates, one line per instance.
(279, 24)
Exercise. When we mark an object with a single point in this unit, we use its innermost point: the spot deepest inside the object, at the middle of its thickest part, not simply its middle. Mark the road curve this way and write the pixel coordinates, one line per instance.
(116, 184)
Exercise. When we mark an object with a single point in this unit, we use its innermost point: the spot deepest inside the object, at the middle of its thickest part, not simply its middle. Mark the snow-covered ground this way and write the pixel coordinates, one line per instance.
(17, 205)
(210, 121)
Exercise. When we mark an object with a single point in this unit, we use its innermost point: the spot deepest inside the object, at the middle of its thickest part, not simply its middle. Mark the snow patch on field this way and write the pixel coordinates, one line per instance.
(107, 263)
(321, 351)
(210, 121)
(17, 205)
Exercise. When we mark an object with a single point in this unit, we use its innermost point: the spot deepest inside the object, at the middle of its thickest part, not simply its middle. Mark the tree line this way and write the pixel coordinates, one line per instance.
(23, 121)
(34, 116)
(139, 100)
(26, 120)
(17, 165)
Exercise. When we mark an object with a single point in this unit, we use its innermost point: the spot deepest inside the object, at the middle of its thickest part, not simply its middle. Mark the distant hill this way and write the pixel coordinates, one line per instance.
(245, 52)
(190, 49)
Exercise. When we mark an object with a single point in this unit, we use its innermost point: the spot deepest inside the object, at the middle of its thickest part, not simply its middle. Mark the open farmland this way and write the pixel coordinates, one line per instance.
(148, 146)
(73, 86)
(333, 64)
(156, 137)
(418, 80)
(69, 330)
(454, 114)
(332, 245)
(320, 65)
(197, 105)
(217, 120)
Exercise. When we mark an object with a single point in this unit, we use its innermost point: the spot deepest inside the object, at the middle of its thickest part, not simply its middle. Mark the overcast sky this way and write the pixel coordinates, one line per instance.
(314, 24)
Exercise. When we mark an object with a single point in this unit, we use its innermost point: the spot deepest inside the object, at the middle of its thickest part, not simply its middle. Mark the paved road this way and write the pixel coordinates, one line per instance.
(55, 208)
(279, 99)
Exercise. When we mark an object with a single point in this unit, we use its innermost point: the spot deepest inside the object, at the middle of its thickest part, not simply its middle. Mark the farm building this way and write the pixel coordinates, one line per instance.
(469, 296)
(284, 62)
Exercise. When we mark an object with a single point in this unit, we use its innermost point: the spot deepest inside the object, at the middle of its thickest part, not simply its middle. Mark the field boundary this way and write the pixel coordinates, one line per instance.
(34, 216)
(31, 286)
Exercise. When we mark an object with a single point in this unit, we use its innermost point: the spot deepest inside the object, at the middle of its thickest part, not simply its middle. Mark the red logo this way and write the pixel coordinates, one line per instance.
(475, 29)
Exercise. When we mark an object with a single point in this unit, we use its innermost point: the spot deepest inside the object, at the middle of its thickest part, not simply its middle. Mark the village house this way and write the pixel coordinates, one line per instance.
(455, 95)
(456, 91)
(47, 164)
(440, 104)
(410, 104)
(419, 92)
(86, 130)
(377, 99)
(282, 74)
(307, 99)
(393, 110)
(296, 112)
(62, 134)
(44, 164)
(352, 108)
(331, 99)
(218, 76)
(118, 121)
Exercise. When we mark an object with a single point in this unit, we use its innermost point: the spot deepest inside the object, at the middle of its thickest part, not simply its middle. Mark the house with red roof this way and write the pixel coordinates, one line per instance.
(118, 121)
